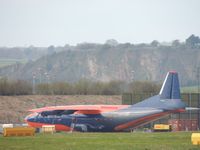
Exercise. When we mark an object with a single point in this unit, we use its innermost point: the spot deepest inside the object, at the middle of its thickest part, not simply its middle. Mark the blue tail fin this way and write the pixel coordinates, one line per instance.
(169, 97)
(170, 88)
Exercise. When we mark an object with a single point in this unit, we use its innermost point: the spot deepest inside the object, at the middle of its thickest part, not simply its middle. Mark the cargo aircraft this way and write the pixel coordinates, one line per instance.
(112, 118)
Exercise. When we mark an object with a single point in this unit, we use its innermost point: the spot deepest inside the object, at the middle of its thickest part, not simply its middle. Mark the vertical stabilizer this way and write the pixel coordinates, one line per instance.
(170, 88)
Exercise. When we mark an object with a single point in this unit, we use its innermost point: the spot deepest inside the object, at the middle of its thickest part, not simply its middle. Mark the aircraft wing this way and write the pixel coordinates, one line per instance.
(82, 109)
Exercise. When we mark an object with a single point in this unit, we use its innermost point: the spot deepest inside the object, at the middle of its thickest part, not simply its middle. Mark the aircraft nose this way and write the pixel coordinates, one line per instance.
(29, 118)
(26, 119)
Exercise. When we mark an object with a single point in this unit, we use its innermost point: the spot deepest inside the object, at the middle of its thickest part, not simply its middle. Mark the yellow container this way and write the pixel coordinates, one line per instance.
(162, 127)
(195, 138)
(19, 131)
(48, 129)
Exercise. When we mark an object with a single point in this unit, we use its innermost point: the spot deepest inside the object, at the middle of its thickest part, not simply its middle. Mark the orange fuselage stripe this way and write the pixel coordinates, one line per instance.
(99, 108)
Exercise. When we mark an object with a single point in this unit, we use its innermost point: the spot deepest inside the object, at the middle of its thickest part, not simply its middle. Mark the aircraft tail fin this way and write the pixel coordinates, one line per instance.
(170, 88)
(169, 97)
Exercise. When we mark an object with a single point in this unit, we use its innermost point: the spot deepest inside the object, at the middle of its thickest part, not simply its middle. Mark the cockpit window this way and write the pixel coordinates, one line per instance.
(57, 113)
(68, 112)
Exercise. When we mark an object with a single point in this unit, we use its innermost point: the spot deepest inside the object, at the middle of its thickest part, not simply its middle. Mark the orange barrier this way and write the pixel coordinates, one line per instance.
(19, 131)
(162, 127)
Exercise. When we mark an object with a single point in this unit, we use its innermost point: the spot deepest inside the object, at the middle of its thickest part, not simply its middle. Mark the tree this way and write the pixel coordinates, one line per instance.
(155, 43)
(192, 41)
(144, 87)
(82, 87)
(50, 50)
(61, 88)
(176, 43)
(113, 88)
(112, 42)
(43, 88)
(12, 87)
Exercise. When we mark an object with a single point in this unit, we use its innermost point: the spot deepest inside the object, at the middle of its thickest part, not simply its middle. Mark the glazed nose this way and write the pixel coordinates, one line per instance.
(29, 118)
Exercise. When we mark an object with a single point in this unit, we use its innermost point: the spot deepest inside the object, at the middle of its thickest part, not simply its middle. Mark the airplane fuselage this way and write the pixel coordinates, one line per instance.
(109, 118)
(105, 122)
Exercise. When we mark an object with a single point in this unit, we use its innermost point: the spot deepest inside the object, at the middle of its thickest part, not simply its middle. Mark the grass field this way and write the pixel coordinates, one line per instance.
(101, 141)
(6, 62)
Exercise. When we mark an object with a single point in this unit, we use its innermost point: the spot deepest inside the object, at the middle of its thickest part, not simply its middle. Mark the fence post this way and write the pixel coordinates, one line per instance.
(190, 98)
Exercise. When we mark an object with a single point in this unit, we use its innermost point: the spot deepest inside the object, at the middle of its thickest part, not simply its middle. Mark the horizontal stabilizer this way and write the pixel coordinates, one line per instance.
(191, 108)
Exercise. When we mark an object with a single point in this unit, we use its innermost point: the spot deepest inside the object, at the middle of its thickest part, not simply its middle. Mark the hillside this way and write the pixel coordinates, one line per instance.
(102, 62)
(21, 55)
(13, 109)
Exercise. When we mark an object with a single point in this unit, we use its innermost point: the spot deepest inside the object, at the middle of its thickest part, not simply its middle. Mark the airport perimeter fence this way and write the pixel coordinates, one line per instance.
(191, 100)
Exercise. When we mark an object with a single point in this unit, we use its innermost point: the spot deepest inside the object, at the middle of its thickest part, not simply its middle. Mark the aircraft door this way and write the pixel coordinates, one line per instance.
(73, 122)
(78, 126)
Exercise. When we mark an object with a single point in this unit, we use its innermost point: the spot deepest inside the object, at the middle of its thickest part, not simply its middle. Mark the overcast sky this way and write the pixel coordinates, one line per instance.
(58, 22)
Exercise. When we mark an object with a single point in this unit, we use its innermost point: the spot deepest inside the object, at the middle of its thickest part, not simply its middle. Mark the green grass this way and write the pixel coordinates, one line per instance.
(6, 62)
(101, 141)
